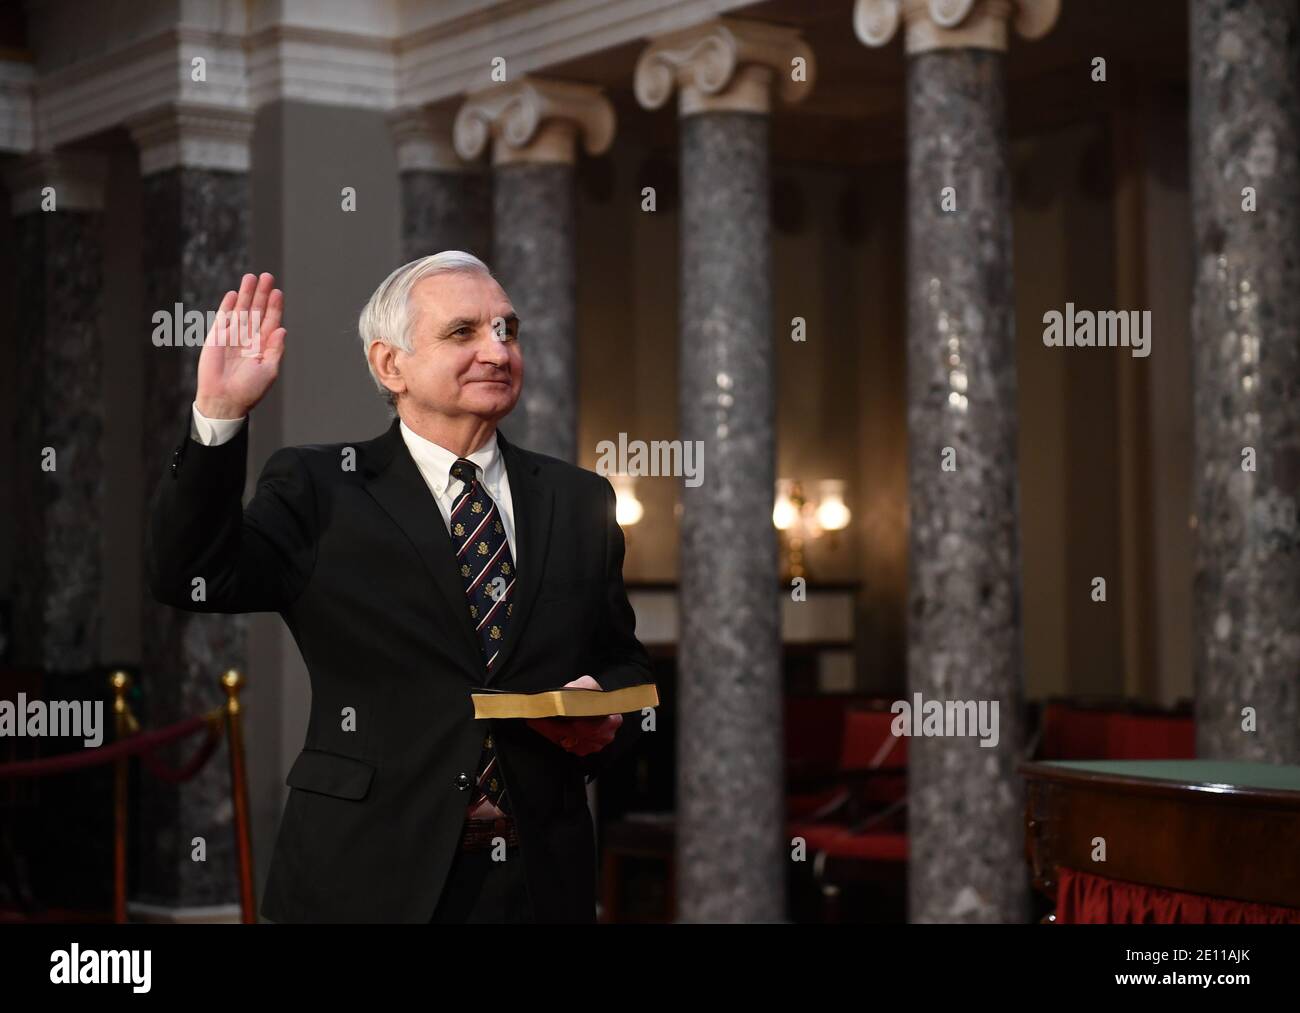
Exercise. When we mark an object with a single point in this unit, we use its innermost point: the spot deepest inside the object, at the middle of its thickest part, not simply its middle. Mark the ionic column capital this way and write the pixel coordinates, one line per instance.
(952, 24)
(534, 120)
(725, 65)
(422, 136)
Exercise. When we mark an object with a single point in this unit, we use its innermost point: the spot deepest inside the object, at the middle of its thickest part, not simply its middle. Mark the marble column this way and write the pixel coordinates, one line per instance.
(446, 201)
(195, 205)
(730, 850)
(965, 801)
(59, 349)
(534, 126)
(1245, 92)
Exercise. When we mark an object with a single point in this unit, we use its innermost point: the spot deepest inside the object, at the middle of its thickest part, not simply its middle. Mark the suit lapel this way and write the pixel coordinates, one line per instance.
(533, 504)
(396, 483)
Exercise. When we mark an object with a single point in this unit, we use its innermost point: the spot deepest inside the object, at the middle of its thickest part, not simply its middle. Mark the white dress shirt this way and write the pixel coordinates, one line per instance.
(435, 461)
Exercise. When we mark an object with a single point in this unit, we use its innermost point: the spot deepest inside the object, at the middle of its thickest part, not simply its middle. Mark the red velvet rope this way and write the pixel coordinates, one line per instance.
(201, 756)
(143, 743)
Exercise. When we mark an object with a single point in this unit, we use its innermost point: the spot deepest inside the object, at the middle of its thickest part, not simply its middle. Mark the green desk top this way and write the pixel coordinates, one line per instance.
(1267, 776)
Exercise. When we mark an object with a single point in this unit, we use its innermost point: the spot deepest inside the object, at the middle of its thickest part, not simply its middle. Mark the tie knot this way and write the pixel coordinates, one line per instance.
(464, 470)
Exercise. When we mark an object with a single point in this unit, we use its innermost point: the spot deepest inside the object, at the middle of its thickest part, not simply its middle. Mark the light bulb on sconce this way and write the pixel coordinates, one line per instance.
(784, 512)
(800, 520)
(832, 514)
(627, 508)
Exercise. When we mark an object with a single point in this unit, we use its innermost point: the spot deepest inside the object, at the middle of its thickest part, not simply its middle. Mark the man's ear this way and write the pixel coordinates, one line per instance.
(383, 360)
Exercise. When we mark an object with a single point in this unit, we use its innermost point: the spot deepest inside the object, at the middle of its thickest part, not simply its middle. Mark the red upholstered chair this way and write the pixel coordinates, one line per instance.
(814, 726)
(871, 749)
(859, 833)
(866, 774)
(1077, 730)
(1151, 737)
(1074, 732)
(814, 729)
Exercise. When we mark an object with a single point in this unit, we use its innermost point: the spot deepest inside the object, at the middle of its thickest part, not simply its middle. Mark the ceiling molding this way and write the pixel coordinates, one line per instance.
(17, 107)
(321, 66)
(114, 88)
(531, 36)
(325, 55)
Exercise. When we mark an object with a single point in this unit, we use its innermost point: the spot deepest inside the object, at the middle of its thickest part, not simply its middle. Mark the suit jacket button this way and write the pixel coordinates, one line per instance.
(463, 782)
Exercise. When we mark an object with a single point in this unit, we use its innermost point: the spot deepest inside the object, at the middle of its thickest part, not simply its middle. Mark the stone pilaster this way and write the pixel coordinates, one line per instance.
(1245, 78)
(196, 246)
(59, 480)
(446, 201)
(534, 127)
(730, 801)
(965, 801)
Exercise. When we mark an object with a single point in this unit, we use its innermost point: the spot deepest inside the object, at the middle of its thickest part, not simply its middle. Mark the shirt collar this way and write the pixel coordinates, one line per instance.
(435, 460)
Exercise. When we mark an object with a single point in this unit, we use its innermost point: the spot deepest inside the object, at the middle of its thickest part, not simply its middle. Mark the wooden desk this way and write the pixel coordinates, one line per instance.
(1207, 827)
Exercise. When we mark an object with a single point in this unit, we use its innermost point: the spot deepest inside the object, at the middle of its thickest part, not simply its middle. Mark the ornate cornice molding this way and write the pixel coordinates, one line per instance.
(193, 136)
(384, 55)
(724, 65)
(952, 24)
(450, 54)
(115, 88)
(534, 120)
(325, 67)
(78, 179)
(17, 115)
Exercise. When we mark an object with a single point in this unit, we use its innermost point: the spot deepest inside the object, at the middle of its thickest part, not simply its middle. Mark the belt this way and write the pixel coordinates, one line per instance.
(479, 835)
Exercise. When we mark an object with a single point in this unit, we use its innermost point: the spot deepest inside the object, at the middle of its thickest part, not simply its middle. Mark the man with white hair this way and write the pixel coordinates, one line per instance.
(393, 563)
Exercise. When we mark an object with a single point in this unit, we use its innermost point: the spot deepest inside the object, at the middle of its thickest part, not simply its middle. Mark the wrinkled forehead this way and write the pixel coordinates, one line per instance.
(459, 295)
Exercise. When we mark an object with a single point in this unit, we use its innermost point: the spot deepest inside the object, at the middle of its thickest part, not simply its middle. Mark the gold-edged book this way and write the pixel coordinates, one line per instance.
(573, 702)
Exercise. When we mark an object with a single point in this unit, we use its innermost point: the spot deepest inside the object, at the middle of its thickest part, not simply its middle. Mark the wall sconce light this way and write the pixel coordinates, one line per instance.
(832, 513)
(800, 520)
(628, 509)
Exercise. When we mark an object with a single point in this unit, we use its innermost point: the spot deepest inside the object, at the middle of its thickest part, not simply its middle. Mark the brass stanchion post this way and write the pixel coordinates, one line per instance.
(120, 682)
(232, 682)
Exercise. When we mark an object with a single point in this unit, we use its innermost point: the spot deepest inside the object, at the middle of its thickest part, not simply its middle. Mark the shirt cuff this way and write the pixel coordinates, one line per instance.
(213, 432)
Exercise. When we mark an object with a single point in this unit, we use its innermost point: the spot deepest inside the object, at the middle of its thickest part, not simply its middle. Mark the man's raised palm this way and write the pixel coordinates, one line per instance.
(241, 354)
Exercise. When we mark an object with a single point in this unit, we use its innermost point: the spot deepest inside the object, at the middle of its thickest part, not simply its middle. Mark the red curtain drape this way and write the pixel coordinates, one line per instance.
(1084, 899)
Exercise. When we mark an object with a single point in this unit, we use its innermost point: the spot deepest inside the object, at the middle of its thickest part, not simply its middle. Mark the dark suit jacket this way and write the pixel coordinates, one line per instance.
(360, 566)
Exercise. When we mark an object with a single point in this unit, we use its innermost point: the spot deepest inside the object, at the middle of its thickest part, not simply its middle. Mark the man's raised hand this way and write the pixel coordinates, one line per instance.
(241, 353)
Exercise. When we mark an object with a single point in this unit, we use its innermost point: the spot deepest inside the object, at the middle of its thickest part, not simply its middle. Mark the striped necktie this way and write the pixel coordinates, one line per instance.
(487, 570)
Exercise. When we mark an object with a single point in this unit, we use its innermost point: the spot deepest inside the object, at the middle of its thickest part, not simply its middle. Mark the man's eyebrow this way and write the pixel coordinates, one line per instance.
(458, 322)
